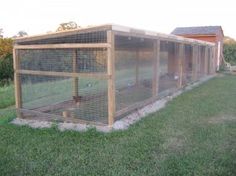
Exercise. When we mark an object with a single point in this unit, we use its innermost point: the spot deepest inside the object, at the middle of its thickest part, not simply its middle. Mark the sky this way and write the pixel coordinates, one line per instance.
(41, 16)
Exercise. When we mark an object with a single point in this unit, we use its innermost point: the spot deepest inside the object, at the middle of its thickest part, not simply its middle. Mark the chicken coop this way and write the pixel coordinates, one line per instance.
(100, 74)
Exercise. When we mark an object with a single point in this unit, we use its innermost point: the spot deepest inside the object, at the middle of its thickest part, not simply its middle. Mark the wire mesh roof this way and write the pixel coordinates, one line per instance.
(72, 35)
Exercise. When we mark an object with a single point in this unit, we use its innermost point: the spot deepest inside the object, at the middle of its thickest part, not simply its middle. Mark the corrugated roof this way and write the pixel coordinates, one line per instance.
(200, 30)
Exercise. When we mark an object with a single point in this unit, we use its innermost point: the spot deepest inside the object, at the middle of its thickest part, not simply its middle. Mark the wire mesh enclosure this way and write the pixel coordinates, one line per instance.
(99, 74)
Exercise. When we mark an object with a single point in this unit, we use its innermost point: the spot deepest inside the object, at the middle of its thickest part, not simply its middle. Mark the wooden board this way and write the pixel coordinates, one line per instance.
(64, 74)
(62, 46)
(111, 80)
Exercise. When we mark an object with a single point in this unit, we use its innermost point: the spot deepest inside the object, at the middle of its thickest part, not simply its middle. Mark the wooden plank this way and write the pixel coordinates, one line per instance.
(61, 46)
(156, 70)
(180, 63)
(75, 79)
(111, 80)
(17, 82)
(64, 74)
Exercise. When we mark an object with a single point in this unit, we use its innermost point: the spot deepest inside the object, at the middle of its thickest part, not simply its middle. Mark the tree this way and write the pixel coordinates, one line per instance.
(22, 34)
(6, 46)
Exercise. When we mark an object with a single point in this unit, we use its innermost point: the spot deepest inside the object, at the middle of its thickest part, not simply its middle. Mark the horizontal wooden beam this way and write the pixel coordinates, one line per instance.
(136, 106)
(63, 74)
(61, 46)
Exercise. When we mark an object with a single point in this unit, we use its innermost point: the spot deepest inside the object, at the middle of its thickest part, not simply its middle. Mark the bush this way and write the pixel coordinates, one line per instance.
(6, 62)
(230, 53)
(6, 70)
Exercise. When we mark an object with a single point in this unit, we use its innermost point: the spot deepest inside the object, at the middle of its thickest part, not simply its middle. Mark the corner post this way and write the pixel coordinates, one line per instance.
(17, 82)
(156, 63)
(111, 80)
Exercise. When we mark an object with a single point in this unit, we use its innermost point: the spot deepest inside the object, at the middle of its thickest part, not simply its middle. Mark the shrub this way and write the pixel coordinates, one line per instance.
(6, 69)
(230, 53)
(6, 62)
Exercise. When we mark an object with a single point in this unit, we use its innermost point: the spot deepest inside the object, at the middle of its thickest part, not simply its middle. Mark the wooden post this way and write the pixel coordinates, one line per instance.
(111, 80)
(137, 68)
(194, 63)
(206, 61)
(211, 62)
(156, 70)
(75, 80)
(17, 82)
(180, 64)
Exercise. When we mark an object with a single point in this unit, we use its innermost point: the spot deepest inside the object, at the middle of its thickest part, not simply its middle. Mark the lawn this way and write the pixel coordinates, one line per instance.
(194, 135)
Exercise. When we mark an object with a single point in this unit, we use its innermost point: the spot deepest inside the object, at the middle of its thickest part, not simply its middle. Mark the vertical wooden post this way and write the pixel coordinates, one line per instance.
(180, 64)
(111, 80)
(206, 61)
(156, 70)
(194, 63)
(17, 82)
(137, 68)
(75, 80)
(211, 61)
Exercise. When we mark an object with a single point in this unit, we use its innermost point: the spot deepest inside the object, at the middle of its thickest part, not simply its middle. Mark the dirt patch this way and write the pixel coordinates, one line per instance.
(222, 119)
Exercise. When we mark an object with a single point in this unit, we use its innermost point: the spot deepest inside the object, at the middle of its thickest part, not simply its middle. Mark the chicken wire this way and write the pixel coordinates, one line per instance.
(74, 99)
(133, 70)
(169, 67)
(187, 64)
(54, 96)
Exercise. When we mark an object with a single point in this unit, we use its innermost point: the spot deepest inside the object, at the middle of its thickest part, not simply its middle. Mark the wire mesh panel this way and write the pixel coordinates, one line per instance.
(58, 60)
(88, 37)
(187, 64)
(47, 95)
(169, 67)
(133, 70)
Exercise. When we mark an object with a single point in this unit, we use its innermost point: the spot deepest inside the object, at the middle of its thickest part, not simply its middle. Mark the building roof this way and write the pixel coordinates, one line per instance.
(200, 30)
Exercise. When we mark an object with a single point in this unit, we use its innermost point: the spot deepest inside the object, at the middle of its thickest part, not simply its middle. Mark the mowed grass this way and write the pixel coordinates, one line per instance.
(194, 135)
(7, 96)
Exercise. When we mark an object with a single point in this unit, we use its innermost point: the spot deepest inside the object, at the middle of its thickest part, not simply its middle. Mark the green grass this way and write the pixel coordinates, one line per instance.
(194, 135)
(7, 96)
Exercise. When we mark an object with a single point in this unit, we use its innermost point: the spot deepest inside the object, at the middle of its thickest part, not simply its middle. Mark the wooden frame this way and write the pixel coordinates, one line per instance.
(110, 74)
(62, 46)
(17, 82)
(64, 74)
(180, 63)
(156, 62)
(75, 79)
(111, 80)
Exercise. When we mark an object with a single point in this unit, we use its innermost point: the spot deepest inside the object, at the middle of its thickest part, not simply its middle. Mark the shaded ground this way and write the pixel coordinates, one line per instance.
(194, 135)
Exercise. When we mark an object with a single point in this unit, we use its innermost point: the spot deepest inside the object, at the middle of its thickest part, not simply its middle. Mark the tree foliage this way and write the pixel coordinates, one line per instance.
(6, 46)
(230, 53)
(6, 61)
(230, 50)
